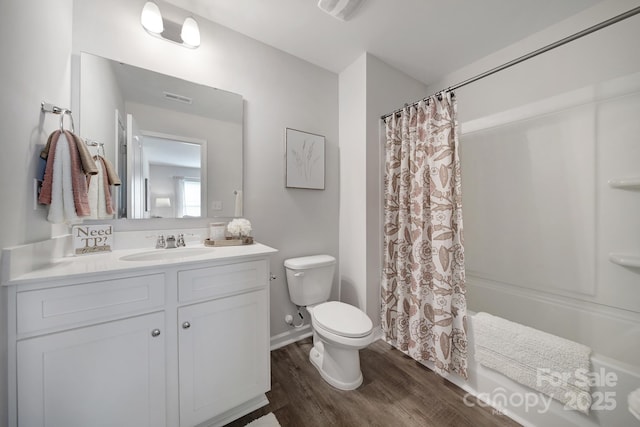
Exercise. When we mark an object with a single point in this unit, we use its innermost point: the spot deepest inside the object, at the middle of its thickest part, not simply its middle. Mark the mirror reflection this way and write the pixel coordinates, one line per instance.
(177, 145)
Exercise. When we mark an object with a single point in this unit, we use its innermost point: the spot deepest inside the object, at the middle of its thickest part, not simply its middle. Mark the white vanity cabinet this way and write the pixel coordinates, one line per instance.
(179, 344)
(110, 374)
(87, 356)
(223, 346)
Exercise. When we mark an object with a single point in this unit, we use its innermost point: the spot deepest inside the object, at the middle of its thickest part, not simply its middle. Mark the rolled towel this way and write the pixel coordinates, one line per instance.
(634, 403)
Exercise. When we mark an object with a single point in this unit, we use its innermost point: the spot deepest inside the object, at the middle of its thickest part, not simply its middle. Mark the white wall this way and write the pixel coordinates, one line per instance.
(35, 42)
(98, 84)
(369, 88)
(279, 91)
(353, 183)
(598, 303)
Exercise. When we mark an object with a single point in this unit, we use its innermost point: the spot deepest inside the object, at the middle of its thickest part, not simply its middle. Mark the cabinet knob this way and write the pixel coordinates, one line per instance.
(186, 325)
(155, 332)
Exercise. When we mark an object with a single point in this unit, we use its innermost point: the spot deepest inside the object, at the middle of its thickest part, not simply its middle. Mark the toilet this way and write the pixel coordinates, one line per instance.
(339, 330)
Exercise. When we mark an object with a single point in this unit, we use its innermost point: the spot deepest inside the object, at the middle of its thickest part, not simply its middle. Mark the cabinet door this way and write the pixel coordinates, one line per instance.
(223, 355)
(112, 374)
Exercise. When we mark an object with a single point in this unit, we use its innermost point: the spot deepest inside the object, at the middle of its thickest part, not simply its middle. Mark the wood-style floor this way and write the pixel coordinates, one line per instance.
(397, 392)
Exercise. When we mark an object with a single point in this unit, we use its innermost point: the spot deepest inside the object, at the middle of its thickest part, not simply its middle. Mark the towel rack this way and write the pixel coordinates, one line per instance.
(94, 143)
(46, 107)
(628, 183)
(626, 260)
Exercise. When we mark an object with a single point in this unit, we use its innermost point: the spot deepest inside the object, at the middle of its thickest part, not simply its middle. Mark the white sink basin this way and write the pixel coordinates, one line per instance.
(167, 254)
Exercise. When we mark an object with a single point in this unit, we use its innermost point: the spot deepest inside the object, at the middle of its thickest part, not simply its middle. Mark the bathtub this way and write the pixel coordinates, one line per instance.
(613, 381)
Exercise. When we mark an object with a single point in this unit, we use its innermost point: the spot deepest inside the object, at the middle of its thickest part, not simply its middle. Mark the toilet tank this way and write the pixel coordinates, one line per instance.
(310, 278)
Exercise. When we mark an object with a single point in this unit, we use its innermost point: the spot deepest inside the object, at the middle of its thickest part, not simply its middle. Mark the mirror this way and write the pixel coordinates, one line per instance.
(176, 145)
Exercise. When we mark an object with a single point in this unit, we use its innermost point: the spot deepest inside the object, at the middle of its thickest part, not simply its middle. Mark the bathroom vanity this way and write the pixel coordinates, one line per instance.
(123, 339)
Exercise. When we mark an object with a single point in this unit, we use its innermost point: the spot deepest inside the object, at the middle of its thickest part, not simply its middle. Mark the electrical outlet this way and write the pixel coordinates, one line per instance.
(216, 205)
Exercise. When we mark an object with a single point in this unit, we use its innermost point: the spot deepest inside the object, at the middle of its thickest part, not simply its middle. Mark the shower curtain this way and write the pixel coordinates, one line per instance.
(423, 279)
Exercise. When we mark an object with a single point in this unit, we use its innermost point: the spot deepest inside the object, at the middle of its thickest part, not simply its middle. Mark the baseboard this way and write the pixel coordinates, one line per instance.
(294, 335)
(290, 336)
(237, 412)
(377, 333)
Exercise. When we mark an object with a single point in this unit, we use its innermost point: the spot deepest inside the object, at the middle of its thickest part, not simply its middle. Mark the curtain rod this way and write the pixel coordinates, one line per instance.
(530, 55)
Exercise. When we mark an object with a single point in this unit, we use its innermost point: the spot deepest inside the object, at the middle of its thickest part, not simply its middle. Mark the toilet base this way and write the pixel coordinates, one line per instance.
(339, 367)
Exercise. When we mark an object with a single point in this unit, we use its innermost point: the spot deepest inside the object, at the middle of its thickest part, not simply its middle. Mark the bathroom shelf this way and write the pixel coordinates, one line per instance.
(630, 183)
(626, 260)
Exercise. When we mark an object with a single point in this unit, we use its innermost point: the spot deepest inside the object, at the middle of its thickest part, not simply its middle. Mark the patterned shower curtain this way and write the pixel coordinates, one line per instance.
(423, 279)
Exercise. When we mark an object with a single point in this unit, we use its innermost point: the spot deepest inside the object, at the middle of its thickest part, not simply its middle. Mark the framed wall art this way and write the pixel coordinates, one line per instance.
(305, 159)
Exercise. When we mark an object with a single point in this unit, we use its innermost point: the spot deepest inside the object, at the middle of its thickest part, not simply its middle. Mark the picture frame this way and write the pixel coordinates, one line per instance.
(304, 160)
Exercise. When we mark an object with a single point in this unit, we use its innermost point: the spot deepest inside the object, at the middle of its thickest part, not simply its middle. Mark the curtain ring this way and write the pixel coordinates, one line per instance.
(62, 114)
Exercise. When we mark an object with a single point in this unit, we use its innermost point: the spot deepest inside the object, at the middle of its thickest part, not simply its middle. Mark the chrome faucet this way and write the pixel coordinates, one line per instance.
(181, 242)
(160, 242)
(171, 242)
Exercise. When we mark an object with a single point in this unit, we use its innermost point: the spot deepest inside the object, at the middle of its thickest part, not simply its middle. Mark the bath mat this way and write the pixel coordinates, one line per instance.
(542, 361)
(268, 420)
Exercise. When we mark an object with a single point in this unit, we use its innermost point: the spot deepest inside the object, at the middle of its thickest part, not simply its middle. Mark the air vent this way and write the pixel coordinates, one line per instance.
(178, 98)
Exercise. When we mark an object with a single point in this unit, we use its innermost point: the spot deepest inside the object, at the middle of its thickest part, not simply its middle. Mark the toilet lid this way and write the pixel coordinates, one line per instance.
(342, 319)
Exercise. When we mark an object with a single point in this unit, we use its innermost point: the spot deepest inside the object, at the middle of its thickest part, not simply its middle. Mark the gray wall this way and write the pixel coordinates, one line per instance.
(35, 38)
(368, 89)
(598, 306)
(279, 91)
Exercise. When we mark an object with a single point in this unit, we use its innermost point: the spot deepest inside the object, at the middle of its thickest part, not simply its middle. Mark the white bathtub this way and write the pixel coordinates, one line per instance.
(531, 408)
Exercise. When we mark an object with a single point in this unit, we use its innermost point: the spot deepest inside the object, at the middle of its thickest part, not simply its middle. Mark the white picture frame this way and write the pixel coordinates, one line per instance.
(304, 160)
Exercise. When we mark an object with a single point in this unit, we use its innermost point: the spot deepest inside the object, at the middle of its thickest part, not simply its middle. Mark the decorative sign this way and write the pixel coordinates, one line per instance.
(90, 239)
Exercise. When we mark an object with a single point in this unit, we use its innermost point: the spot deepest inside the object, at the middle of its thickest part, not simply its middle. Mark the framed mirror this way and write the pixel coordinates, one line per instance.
(176, 145)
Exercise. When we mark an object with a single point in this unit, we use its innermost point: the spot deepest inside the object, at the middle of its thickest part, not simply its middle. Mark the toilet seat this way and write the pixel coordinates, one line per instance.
(342, 319)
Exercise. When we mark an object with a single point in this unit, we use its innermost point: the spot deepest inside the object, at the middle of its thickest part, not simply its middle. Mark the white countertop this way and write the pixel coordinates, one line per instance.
(111, 262)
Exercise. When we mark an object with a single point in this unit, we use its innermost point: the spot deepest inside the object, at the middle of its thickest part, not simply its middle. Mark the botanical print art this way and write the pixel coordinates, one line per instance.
(304, 160)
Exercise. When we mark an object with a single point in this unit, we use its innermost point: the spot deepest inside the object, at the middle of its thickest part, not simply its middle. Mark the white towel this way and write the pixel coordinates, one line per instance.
(62, 208)
(552, 365)
(634, 403)
(97, 198)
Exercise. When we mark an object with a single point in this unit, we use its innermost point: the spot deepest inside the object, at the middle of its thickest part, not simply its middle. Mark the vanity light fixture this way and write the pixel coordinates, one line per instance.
(187, 35)
(190, 33)
(151, 19)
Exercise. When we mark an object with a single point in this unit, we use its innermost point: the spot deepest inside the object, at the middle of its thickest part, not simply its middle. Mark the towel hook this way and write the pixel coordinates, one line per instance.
(62, 114)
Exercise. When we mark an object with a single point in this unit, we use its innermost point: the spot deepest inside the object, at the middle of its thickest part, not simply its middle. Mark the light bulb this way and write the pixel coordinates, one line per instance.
(190, 32)
(151, 19)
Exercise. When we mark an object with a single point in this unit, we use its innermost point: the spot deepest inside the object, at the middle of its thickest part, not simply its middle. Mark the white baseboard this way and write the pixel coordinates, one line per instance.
(290, 336)
(377, 333)
(237, 412)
